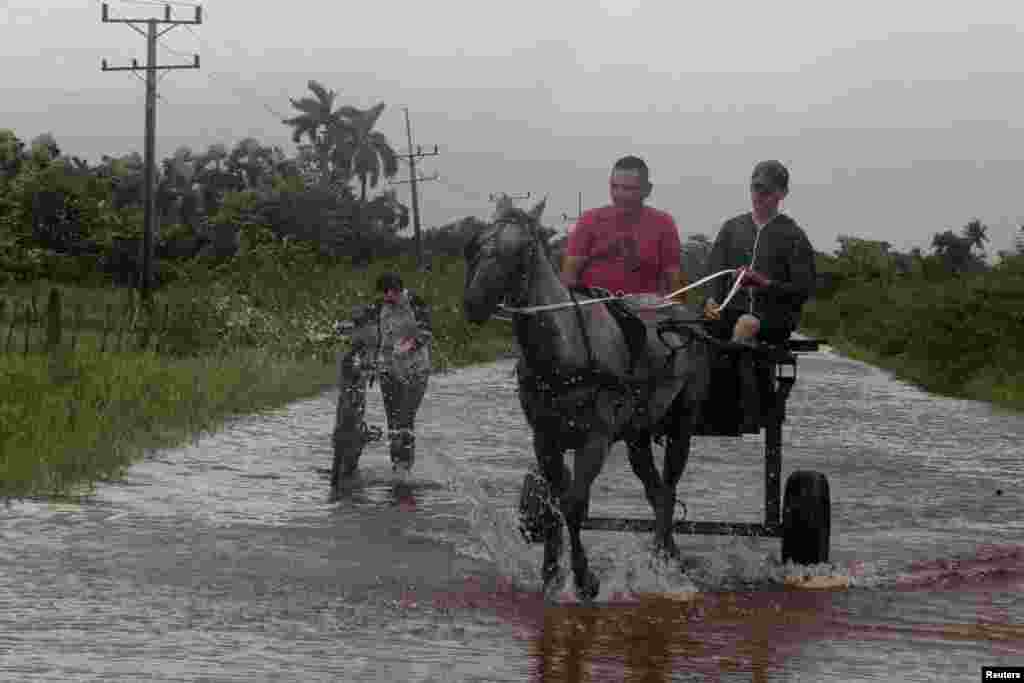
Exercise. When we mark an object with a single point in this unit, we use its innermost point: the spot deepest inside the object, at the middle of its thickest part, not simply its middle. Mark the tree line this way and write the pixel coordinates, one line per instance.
(66, 219)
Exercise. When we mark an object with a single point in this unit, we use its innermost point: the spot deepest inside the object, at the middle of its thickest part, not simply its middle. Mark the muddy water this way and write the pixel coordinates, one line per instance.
(225, 561)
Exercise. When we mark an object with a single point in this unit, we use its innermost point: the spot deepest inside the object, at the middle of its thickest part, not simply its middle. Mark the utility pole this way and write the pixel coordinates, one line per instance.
(412, 156)
(504, 200)
(149, 175)
(579, 211)
(498, 196)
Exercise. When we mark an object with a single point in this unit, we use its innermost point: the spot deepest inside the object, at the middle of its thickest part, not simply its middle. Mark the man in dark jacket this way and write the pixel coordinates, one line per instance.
(775, 260)
(775, 266)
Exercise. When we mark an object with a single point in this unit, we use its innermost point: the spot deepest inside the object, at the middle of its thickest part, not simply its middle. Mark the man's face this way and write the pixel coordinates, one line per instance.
(765, 198)
(628, 189)
(391, 296)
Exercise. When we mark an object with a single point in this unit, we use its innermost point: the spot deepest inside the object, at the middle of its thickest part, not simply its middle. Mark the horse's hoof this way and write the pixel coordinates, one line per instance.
(667, 550)
(589, 587)
(553, 583)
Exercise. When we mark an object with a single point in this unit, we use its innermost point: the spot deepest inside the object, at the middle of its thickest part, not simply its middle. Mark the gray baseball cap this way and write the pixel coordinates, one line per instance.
(770, 174)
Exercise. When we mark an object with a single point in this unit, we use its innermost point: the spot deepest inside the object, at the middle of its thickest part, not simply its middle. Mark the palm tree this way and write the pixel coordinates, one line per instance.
(322, 124)
(974, 233)
(364, 151)
(954, 250)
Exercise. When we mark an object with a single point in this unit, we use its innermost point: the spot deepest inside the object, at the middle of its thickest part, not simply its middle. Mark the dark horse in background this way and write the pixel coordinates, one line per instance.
(579, 387)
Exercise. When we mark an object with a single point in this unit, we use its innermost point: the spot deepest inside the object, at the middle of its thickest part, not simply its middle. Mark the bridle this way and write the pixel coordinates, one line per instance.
(527, 276)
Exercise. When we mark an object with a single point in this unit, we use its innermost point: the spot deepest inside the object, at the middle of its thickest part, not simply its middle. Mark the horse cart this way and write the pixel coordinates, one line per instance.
(801, 516)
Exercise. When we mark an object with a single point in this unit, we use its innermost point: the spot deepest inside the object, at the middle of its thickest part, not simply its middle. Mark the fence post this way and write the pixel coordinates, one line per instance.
(77, 326)
(11, 326)
(121, 327)
(53, 320)
(163, 326)
(28, 326)
(106, 328)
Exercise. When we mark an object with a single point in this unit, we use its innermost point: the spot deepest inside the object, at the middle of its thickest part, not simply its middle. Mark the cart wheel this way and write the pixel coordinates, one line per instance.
(806, 518)
(538, 509)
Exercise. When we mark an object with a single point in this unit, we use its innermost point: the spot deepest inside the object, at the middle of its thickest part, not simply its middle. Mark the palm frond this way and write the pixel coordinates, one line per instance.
(371, 115)
(308, 106)
(325, 96)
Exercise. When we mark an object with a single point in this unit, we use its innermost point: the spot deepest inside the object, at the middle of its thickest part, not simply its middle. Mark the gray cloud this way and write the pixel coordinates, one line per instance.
(889, 134)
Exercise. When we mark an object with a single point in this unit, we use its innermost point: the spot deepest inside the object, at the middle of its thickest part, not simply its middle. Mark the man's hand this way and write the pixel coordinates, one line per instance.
(676, 281)
(571, 266)
(753, 278)
(711, 310)
(406, 345)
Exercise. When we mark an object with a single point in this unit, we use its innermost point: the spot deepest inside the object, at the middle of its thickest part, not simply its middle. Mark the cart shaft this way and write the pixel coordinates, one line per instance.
(684, 527)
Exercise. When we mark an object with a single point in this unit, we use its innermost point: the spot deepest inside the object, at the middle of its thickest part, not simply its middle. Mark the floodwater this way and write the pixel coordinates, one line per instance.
(225, 560)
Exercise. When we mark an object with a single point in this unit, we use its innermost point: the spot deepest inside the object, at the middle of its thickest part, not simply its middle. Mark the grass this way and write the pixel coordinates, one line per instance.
(69, 417)
(964, 349)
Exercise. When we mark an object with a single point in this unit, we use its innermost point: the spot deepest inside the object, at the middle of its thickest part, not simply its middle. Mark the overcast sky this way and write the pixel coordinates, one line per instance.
(897, 119)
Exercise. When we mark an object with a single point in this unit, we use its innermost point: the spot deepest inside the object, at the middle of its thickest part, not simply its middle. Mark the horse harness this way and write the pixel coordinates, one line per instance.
(592, 377)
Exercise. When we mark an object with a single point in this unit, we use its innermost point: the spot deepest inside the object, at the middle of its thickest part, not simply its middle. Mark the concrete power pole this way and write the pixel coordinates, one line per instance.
(579, 211)
(149, 175)
(503, 201)
(412, 156)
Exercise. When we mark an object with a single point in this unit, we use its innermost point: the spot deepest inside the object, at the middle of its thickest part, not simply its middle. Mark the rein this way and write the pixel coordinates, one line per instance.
(621, 296)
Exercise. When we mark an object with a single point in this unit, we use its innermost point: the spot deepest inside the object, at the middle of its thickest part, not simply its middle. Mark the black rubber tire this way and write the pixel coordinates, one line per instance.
(537, 506)
(806, 518)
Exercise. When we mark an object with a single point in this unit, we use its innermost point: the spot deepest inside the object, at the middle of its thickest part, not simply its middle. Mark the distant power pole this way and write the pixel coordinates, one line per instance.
(503, 201)
(149, 175)
(498, 196)
(412, 156)
(579, 211)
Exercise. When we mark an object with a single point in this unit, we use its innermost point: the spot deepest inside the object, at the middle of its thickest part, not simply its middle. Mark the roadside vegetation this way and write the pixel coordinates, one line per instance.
(258, 256)
(948, 321)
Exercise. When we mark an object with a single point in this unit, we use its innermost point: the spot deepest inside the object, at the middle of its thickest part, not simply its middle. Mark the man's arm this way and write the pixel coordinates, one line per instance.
(802, 274)
(424, 321)
(672, 277)
(576, 251)
(718, 260)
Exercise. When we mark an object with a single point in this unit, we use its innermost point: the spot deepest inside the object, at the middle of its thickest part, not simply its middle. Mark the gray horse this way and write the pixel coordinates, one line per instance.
(578, 386)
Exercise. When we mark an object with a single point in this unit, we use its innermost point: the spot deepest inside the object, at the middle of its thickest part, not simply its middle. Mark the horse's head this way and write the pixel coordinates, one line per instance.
(498, 261)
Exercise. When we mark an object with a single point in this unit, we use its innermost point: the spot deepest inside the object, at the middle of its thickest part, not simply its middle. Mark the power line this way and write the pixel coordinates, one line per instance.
(216, 77)
(463, 190)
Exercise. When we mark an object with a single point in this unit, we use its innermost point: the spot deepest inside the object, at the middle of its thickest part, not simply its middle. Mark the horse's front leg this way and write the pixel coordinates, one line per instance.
(588, 463)
(551, 459)
(677, 452)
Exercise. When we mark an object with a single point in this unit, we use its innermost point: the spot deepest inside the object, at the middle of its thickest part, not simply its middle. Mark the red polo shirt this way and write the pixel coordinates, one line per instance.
(625, 253)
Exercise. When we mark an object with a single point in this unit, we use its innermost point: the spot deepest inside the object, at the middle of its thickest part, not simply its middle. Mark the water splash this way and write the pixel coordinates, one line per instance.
(495, 526)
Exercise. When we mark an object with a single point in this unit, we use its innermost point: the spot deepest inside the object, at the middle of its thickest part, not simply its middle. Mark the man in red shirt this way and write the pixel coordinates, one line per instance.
(625, 247)
(631, 248)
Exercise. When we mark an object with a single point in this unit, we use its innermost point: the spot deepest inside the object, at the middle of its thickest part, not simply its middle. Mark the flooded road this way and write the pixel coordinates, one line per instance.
(224, 561)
